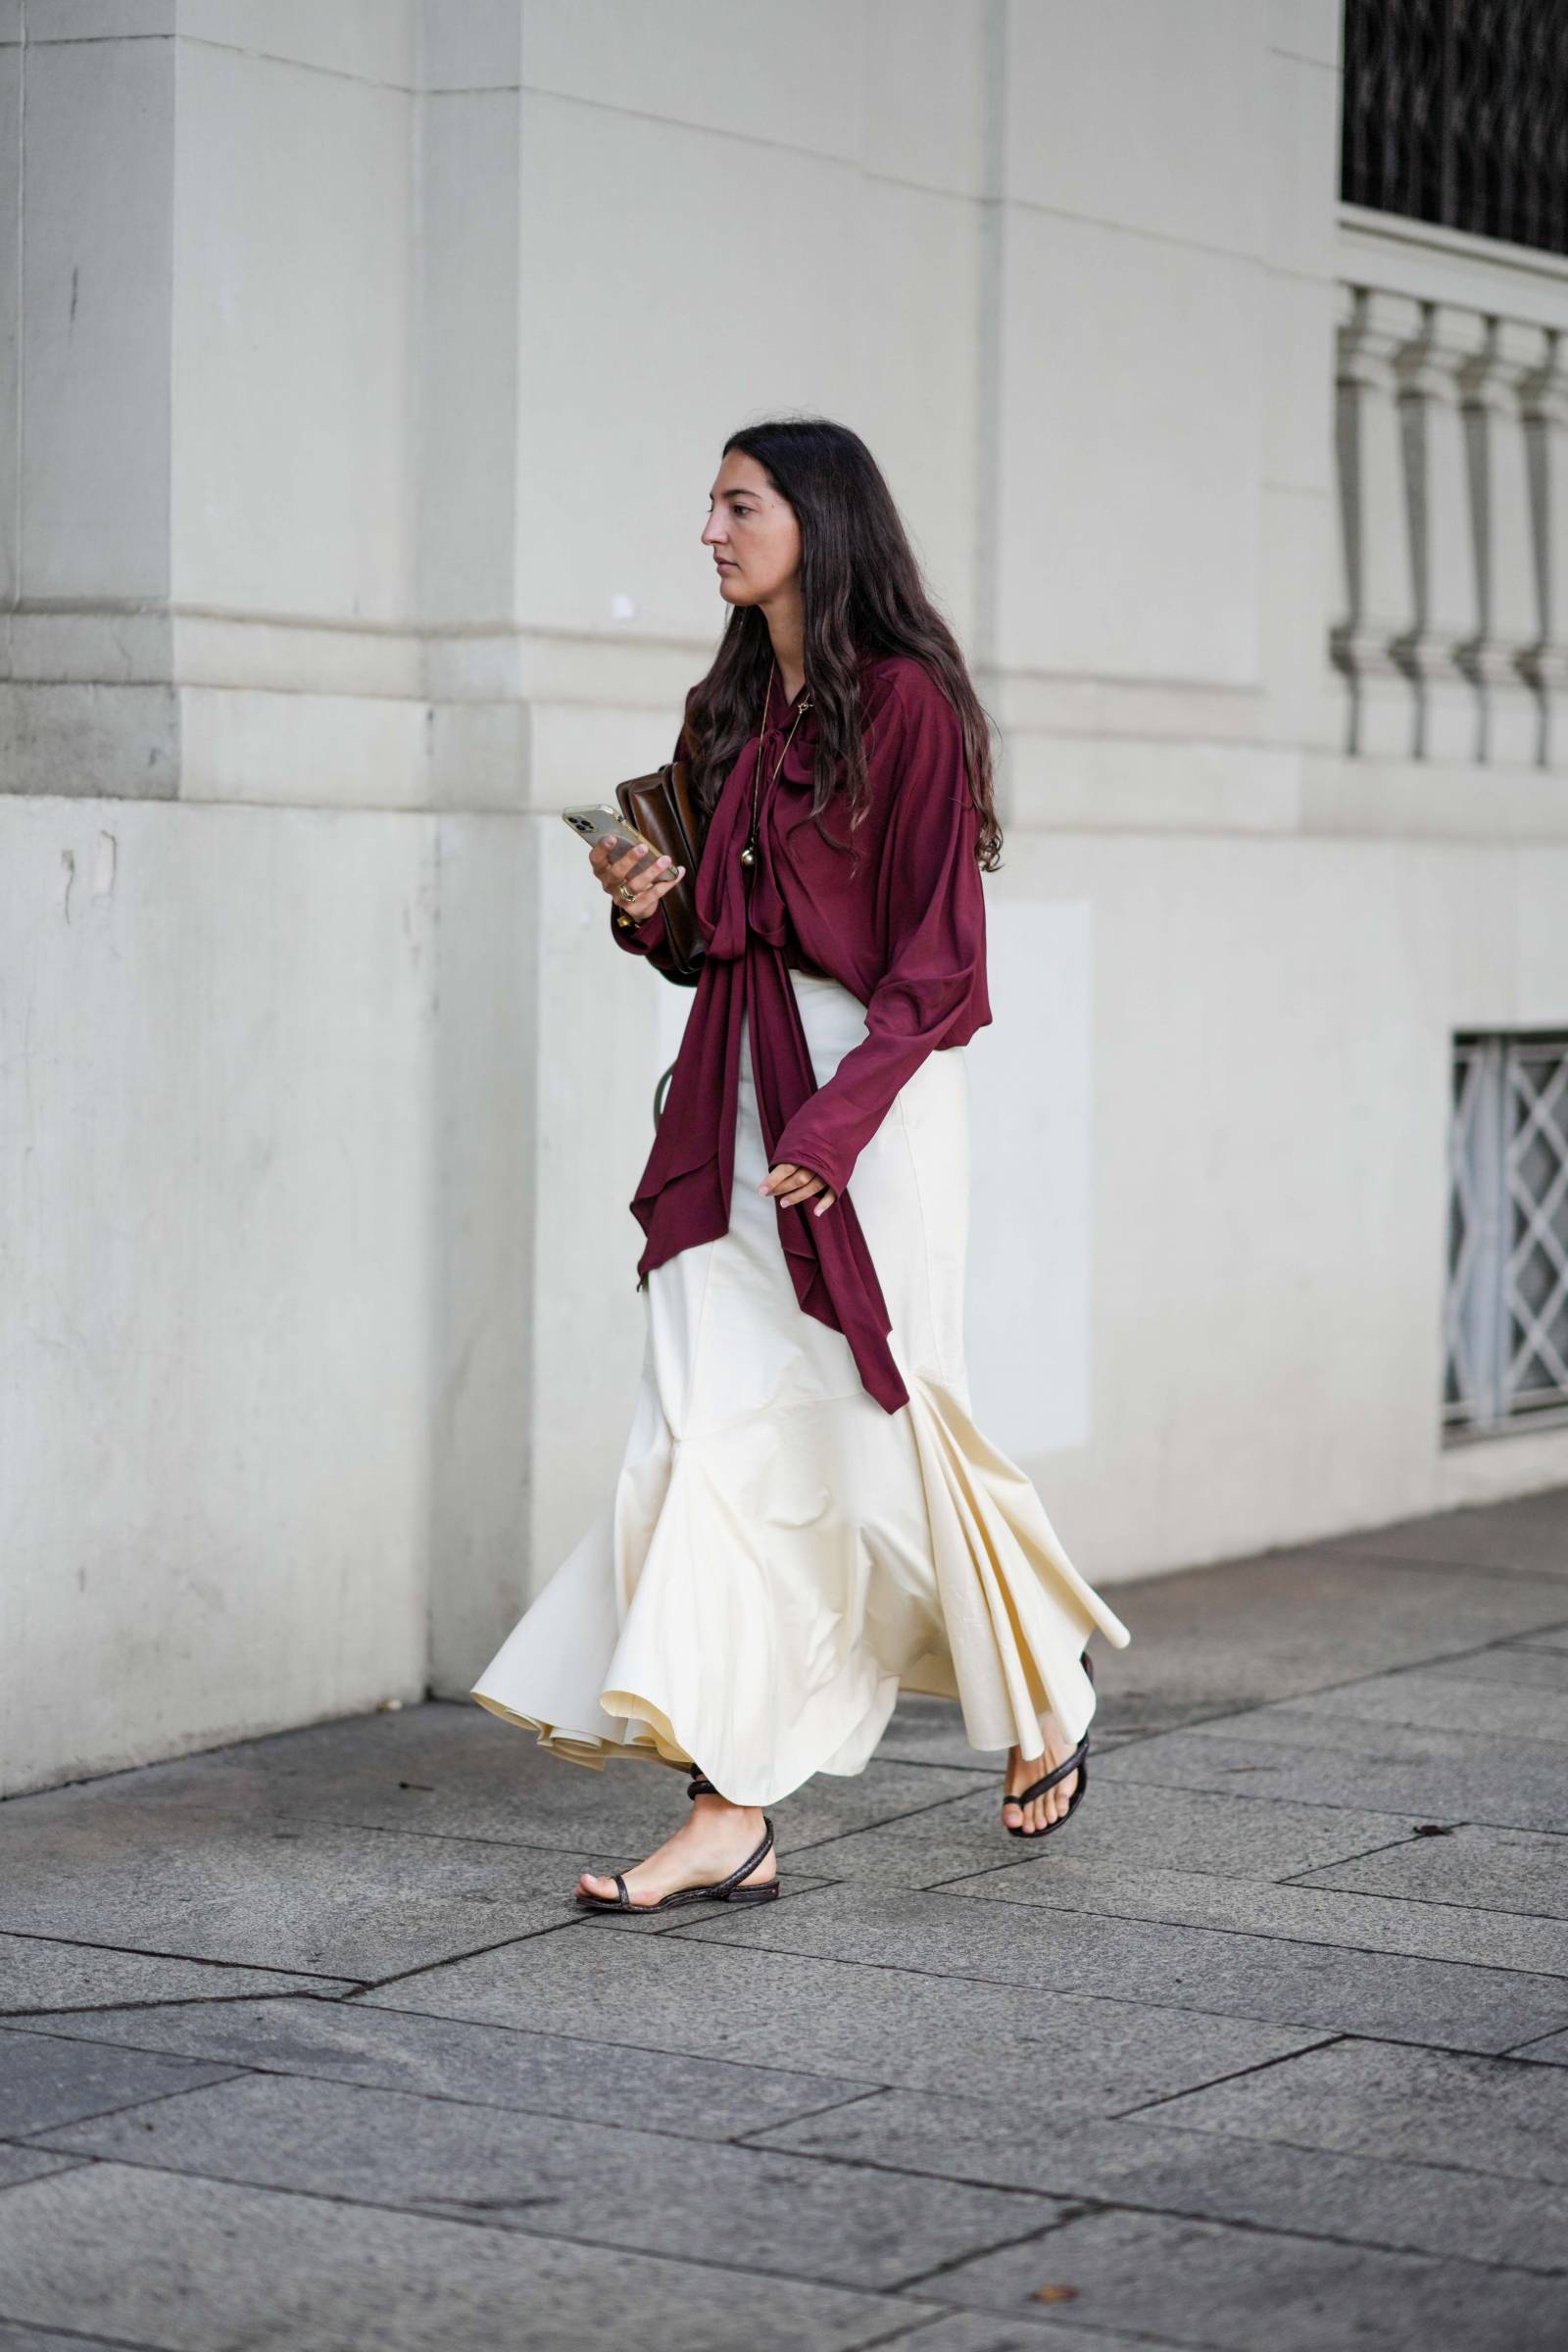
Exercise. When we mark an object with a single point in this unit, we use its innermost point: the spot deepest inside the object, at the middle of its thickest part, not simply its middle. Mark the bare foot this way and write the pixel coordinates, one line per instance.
(714, 1838)
(1041, 1811)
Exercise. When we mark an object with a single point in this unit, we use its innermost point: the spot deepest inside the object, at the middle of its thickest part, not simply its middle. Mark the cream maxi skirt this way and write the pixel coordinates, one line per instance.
(778, 1554)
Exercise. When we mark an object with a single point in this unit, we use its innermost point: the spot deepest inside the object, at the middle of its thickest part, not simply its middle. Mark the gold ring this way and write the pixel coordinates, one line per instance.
(626, 891)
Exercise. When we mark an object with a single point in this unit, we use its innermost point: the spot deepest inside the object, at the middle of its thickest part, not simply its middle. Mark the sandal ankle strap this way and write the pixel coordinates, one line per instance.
(746, 1868)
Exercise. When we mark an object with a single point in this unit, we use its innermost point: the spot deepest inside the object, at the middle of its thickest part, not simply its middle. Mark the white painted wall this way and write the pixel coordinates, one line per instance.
(366, 368)
(1266, 1137)
(217, 1203)
(1031, 1265)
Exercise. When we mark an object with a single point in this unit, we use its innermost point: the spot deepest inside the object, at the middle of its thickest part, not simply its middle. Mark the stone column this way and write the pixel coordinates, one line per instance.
(267, 876)
(1374, 327)
(86, 397)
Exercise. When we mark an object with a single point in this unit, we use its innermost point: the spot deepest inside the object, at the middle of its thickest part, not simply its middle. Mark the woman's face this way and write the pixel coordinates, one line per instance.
(752, 532)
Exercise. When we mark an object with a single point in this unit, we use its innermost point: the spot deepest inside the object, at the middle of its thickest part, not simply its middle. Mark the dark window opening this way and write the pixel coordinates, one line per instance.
(1456, 111)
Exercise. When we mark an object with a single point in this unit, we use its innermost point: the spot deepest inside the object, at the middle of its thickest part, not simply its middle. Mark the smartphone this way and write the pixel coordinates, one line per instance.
(601, 822)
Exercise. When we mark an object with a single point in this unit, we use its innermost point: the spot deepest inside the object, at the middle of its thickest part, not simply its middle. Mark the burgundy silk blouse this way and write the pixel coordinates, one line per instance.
(901, 922)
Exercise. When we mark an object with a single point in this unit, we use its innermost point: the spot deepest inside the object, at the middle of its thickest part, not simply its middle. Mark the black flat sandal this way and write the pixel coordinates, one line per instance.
(722, 1891)
(1077, 1762)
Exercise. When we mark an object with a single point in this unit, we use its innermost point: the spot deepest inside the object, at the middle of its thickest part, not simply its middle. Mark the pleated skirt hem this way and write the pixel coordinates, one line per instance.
(997, 1624)
(779, 1557)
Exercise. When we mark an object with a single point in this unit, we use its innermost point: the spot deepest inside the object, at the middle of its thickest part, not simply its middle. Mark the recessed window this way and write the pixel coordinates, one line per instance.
(1456, 111)
(1506, 1322)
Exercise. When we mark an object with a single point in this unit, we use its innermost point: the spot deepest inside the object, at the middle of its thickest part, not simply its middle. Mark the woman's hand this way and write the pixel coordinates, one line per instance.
(613, 871)
(790, 1185)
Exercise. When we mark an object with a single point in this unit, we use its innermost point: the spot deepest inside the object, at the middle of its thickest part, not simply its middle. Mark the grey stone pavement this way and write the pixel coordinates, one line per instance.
(302, 2044)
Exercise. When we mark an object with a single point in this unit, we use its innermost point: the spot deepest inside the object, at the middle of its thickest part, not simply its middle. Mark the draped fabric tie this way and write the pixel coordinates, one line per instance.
(684, 1197)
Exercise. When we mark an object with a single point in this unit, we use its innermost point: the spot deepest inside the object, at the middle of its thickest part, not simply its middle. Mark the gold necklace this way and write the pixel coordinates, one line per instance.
(748, 853)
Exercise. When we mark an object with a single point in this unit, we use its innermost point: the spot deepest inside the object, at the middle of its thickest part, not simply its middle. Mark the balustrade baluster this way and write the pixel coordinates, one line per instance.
(1499, 502)
(1544, 401)
(1447, 711)
(1373, 514)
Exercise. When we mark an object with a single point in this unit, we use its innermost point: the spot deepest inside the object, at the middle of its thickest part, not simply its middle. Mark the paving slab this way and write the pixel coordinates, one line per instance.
(793, 1885)
(182, 2265)
(1529, 1534)
(289, 1894)
(1139, 1826)
(1301, 1914)
(922, 1730)
(1550, 2050)
(957, 1840)
(45, 2082)
(1475, 2115)
(1220, 2289)
(838, 2019)
(1147, 2163)
(1280, 1624)
(1200, 1969)
(1530, 1665)
(980, 2331)
(495, 2065)
(27, 2164)
(1441, 1777)
(38, 1975)
(450, 1770)
(37, 2339)
(606, 2183)
(828, 1806)
(1462, 1696)
(1504, 1870)
(946, 2067)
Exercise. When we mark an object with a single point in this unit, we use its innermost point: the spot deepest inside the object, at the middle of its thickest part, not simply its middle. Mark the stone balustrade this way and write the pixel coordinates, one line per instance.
(1452, 458)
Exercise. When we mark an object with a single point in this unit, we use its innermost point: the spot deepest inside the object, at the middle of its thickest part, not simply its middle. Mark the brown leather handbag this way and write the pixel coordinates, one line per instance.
(664, 809)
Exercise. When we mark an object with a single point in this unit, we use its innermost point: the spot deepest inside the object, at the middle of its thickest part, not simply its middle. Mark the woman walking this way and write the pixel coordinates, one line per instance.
(806, 1518)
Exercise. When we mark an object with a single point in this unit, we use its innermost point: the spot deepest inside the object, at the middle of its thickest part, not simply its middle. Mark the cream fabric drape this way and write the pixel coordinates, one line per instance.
(778, 1554)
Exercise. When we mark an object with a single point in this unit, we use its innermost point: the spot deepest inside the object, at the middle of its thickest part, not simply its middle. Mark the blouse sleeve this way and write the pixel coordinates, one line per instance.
(934, 982)
(642, 939)
(648, 938)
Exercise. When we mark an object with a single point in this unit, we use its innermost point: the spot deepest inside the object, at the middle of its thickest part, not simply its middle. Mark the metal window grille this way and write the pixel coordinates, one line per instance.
(1456, 111)
(1506, 1320)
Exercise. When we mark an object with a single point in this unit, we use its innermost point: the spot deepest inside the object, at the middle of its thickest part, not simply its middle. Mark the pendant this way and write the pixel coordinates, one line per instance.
(748, 855)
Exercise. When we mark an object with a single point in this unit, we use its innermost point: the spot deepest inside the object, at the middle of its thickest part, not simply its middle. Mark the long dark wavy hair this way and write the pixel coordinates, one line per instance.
(862, 595)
